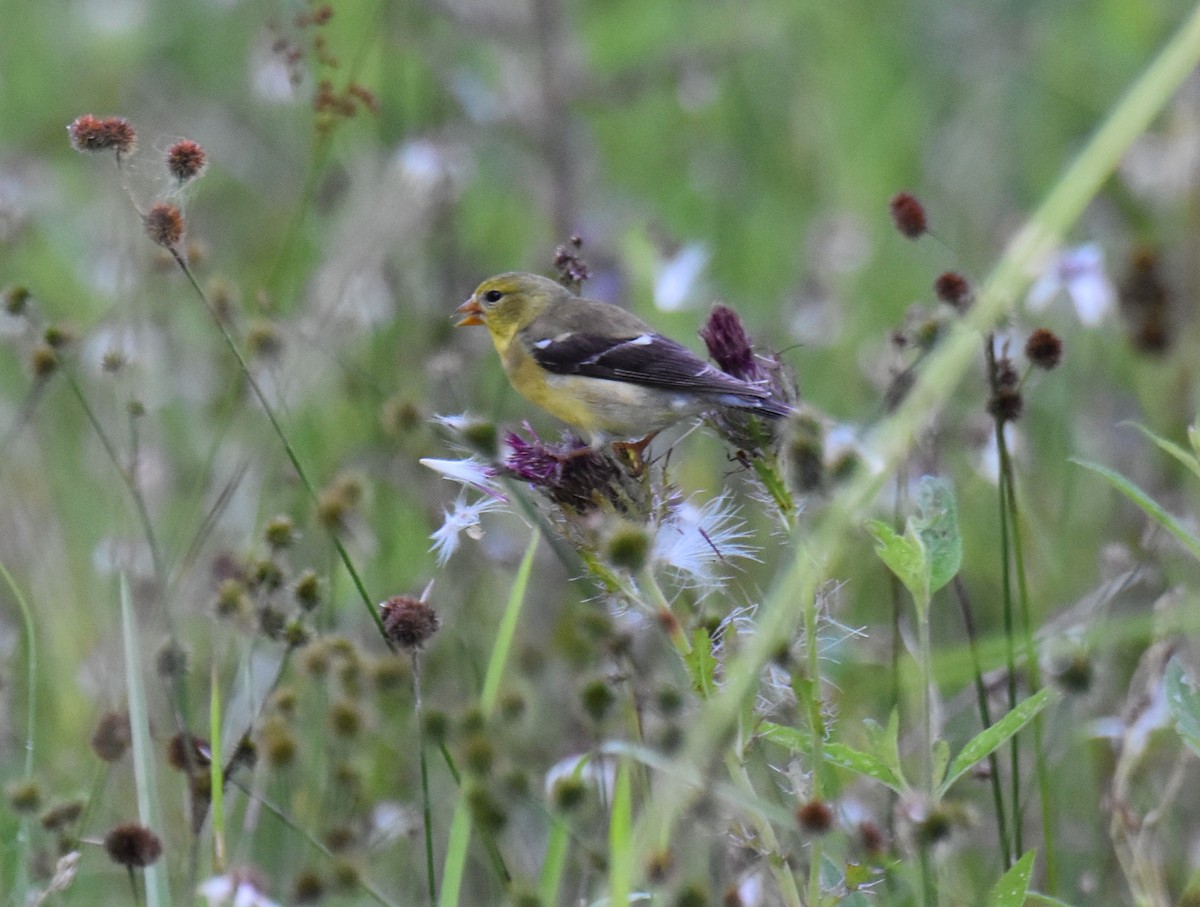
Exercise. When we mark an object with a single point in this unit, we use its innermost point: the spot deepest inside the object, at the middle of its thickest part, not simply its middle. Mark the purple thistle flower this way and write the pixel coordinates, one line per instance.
(729, 344)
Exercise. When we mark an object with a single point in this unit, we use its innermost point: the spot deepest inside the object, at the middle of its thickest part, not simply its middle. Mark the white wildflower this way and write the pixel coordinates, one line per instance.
(468, 471)
(675, 278)
(235, 889)
(462, 517)
(1079, 273)
(693, 540)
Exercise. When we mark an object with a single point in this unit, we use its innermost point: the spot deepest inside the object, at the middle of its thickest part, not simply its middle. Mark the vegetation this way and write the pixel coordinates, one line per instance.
(300, 603)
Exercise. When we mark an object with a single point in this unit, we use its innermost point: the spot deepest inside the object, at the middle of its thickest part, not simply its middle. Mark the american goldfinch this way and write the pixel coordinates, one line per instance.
(598, 367)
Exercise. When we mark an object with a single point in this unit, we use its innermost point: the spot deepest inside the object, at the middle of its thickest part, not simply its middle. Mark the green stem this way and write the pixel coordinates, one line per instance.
(426, 805)
(985, 717)
(21, 880)
(1033, 667)
(343, 554)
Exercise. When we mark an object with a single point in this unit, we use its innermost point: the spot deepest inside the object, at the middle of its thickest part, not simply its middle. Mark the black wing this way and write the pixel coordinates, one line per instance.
(649, 359)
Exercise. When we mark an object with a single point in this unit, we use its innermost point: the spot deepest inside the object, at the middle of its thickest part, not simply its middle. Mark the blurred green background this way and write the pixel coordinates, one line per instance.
(741, 151)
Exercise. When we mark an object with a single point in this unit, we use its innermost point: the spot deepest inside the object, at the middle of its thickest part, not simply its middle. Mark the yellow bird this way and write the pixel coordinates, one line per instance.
(598, 367)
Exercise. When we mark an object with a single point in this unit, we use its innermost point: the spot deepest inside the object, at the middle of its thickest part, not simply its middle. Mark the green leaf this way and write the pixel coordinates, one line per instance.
(1184, 703)
(937, 527)
(1187, 458)
(989, 739)
(700, 662)
(791, 738)
(904, 555)
(1010, 889)
(941, 758)
(866, 764)
(1148, 504)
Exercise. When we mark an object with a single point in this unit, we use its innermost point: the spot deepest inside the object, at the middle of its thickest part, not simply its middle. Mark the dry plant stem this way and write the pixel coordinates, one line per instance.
(985, 717)
(287, 445)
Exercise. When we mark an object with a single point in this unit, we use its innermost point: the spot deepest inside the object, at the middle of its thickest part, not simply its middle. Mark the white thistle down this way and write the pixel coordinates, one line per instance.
(462, 517)
(693, 540)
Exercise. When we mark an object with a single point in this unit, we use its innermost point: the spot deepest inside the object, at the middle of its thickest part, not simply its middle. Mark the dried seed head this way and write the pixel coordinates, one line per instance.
(112, 736)
(23, 796)
(186, 160)
(408, 621)
(132, 845)
(572, 269)
(815, 817)
(91, 133)
(164, 224)
(953, 289)
(1044, 349)
(908, 214)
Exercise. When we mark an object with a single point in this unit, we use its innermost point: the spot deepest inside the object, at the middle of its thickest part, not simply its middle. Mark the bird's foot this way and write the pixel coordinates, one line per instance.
(632, 453)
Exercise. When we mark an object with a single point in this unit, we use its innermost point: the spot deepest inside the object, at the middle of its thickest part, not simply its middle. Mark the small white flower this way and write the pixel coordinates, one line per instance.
(236, 889)
(469, 471)
(462, 517)
(1079, 273)
(675, 279)
(693, 540)
(595, 770)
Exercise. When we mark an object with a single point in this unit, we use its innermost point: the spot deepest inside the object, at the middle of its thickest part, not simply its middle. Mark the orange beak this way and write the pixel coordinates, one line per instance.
(471, 312)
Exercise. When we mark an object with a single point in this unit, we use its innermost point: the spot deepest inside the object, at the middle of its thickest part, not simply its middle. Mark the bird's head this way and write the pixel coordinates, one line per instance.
(507, 302)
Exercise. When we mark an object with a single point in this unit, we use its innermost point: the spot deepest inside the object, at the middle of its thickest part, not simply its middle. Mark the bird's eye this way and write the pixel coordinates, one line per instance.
(492, 296)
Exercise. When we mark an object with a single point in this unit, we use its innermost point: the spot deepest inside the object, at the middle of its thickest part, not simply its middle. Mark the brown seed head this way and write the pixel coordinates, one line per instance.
(952, 288)
(92, 133)
(164, 224)
(908, 215)
(408, 621)
(1043, 349)
(112, 736)
(186, 160)
(815, 817)
(133, 845)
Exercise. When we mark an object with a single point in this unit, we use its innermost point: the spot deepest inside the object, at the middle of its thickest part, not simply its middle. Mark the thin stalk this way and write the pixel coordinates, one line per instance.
(288, 449)
(985, 717)
(925, 670)
(21, 881)
(811, 690)
(375, 894)
(1006, 595)
(426, 805)
(1035, 683)
(139, 501)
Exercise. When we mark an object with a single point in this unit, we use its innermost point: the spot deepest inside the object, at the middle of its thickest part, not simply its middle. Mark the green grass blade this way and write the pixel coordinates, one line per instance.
(460, 826)
(158, 893)
(620, 838)
(20, 856)
(1147, 503)
(1184, 457)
